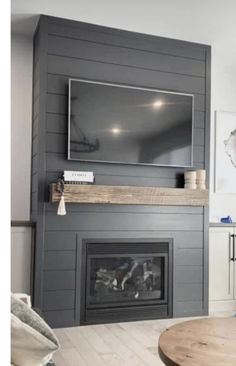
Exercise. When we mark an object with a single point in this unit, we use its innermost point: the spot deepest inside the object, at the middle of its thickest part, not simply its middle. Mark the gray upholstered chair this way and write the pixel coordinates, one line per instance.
(33, 342)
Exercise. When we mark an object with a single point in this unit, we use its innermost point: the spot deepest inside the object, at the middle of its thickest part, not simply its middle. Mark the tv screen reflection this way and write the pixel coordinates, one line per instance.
(124, 124)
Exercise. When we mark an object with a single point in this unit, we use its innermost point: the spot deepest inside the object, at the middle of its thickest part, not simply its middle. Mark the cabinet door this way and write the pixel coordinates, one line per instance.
(234, 232)
(221, 268)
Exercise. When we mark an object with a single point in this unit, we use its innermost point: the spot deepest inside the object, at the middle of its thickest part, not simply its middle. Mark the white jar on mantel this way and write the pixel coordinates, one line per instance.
(201, 179)
(190, 180)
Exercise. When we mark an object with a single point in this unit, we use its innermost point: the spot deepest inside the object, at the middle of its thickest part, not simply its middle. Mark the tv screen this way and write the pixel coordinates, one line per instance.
(125, 124)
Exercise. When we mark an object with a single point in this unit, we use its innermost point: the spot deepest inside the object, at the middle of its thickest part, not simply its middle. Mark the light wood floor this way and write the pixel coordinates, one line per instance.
(120, 344)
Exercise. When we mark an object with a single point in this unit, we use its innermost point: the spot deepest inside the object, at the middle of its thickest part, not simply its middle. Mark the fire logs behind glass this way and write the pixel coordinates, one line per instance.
(130, 276)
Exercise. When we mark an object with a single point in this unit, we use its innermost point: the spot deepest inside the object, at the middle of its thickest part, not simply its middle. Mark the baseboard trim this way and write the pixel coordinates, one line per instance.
(229, 305)
(19, 223)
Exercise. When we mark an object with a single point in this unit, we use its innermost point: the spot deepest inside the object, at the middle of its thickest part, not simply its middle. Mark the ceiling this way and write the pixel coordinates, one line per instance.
(201, 21)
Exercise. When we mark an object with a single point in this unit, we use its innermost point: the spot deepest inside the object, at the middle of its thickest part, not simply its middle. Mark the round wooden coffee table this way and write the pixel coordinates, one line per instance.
(200, 342)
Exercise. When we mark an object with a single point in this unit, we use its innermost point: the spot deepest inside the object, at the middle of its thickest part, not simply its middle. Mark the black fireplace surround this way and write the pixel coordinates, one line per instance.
(66, 49)
(126, 280)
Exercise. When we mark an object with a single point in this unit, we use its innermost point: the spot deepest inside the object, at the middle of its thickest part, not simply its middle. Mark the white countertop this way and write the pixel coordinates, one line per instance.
(220, 224)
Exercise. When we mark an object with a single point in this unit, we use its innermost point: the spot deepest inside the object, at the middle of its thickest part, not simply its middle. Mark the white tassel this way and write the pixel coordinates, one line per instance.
(61, 207)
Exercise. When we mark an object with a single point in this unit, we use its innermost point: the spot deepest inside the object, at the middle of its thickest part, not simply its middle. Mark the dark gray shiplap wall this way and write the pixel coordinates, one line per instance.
(66, 49)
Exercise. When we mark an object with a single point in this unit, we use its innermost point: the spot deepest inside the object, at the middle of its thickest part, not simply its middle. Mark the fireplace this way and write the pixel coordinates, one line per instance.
(126, 280)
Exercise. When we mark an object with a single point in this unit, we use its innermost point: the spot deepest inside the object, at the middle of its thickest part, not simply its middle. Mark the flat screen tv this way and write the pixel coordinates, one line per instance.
(131, 125)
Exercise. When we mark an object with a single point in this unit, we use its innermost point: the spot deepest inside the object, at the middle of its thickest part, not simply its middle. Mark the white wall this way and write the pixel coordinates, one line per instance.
(223, 95)
(21, 107)
(209, 22)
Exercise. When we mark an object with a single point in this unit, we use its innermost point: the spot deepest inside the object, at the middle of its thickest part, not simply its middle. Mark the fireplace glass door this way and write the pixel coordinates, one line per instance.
(117, 279)
(126, 280)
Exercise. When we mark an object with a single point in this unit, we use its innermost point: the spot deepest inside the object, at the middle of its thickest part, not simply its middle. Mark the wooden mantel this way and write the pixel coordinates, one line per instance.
(129, 195)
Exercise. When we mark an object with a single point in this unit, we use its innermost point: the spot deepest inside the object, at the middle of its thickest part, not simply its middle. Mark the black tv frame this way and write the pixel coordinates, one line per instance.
(70, 80)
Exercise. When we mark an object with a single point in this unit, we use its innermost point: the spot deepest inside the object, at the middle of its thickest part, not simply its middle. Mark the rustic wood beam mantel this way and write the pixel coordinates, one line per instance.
(129, 195)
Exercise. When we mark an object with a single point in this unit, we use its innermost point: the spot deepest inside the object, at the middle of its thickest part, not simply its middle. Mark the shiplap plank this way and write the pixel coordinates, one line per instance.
(60, 318)
(116, 221)
(56, 123)
(34, 164)
(59, 300)
(188, 308)
(123, 56)
(125, 173)
(198, 137)
(119, 174)
(60, 260)
(138, 209)
(36, 71)
(34, 182)
(34, 201)
(35, 107)
(59, 162)
(36, 48)
(101, 71)
(35, 145)
(181, 239)
(188, 292)
(198, 153)
(199, 119)
(52, 177)
(189, 275)
(36, 89)
(130, 40)
(179, 236)
(64, 241)
(199, 165)
(59, 280)
(189, 257)
(35, 126)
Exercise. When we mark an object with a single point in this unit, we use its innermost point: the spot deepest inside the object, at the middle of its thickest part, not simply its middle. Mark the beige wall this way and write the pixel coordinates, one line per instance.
(168, 20)
(21, 259)
(21, 107)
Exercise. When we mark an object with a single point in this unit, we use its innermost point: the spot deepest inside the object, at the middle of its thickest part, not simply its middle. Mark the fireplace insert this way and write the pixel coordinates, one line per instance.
(126, 280)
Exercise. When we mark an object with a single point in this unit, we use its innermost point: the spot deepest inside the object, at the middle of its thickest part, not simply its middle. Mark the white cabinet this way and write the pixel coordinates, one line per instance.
(222, 268)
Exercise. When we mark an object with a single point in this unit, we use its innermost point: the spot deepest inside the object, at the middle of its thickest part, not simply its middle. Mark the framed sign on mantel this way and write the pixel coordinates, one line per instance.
(225, 152)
